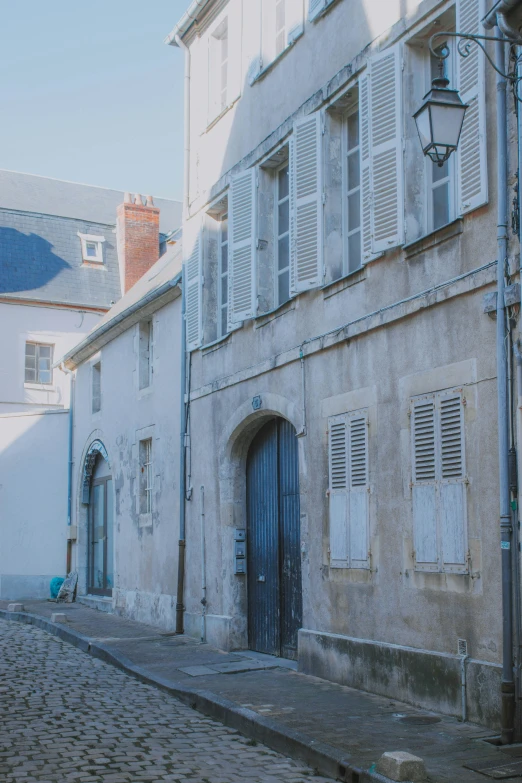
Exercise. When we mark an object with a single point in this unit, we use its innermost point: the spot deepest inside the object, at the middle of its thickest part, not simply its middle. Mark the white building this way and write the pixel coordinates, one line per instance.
(60, 272)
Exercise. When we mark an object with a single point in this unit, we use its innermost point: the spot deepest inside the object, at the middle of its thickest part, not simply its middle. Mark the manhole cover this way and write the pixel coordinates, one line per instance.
(419, 720)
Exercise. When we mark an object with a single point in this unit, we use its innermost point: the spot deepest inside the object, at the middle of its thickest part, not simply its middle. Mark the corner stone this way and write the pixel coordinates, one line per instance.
(401, 766)
(15, 607)
(58, 617)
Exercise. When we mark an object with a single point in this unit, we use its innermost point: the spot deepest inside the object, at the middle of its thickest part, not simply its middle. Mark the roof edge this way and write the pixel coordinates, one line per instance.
(104, 334)
(186, 21)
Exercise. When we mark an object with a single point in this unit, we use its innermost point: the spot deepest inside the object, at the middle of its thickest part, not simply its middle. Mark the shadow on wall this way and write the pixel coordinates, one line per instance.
(27, 261)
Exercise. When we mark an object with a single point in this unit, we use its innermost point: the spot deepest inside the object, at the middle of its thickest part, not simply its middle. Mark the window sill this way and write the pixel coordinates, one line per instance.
(94, 264)
(265, 318)
(267, 68)
(220, 115)
(145, 520)
(145, 391)
(434, 238)
(336, 286)
(48, 387)
(215, 345)
(323, 11)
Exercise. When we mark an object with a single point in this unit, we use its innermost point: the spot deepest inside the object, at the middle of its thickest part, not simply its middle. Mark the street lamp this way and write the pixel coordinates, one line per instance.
(439, 120)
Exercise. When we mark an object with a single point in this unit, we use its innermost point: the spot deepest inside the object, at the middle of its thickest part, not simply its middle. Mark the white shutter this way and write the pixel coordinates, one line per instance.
(452, 501)
(315, 7)
(306, 182)
(338, 491)
(193, 281)
(472, 153)
(366, 167)
(424, 489)
(386, 150)
(358, 507)
(242, 247)
(294, 20)
(235, 59)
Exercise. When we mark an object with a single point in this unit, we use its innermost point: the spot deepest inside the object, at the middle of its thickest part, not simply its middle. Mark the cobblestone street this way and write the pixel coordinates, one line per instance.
(66, 716)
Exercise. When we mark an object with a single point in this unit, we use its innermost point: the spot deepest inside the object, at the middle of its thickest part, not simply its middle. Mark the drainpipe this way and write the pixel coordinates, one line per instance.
(185, 392)
(70, 373)
(506, 531)
(463, 688)
(203, 571)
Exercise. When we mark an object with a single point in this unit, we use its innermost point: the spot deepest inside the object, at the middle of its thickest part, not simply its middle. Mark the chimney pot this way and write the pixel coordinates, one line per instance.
(150, 202)
(127, 198)
(137, 200)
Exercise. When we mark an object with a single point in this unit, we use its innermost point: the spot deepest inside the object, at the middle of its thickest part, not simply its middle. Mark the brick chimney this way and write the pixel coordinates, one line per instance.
(137, 229)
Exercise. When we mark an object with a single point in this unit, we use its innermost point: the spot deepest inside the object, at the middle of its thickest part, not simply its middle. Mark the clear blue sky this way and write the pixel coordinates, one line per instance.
(90, 93)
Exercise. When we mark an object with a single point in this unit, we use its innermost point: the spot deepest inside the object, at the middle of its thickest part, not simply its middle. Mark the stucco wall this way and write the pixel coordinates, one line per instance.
(146, 549)
(33, 502)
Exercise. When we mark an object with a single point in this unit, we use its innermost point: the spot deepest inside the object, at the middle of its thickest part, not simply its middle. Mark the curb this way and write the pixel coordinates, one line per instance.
(328, 760)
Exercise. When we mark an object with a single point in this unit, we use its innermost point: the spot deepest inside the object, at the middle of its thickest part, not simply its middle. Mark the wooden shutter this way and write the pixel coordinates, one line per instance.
(242, 247)
(452, 500)
(386, 150)
(315, 7)
(338, 491)
(472, 154)
(193, 281)
(366, 168)
(359, 484)
(424, 487)
(294, 20)
(306, 182)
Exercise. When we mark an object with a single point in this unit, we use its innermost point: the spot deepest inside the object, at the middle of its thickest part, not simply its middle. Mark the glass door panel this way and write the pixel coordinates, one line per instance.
(109, 581)
(98, 536)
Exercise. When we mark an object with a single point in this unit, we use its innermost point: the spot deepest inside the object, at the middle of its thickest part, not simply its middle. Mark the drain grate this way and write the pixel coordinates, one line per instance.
(497, 770)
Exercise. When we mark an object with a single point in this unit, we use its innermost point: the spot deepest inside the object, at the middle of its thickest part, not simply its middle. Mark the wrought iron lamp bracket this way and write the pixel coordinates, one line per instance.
(464, 50)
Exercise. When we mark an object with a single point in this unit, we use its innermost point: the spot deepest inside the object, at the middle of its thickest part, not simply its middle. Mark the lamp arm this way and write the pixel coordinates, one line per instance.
(464, 48)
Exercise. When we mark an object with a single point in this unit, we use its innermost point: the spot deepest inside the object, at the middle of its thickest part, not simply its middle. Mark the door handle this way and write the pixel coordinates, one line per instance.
(261, 578)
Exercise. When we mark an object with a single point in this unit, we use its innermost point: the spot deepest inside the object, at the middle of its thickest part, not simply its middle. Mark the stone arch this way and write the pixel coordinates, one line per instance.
(237, 435)
(96, 447)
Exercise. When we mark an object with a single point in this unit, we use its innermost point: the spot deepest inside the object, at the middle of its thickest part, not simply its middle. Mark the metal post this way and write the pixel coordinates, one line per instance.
(508, 685)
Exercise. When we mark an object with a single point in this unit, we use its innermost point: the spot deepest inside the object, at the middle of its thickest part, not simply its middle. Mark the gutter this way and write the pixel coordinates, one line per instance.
(103, 335)
(499, 16)
(187, 20)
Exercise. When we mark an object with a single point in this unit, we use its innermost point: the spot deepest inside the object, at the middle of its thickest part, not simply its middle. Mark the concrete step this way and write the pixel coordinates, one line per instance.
(100, 602)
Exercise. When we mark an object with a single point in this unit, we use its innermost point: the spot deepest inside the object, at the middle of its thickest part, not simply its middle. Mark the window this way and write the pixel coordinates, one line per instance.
(440, 179)
(219, 70)
(92, 248)
(145, 478)
(282, 230)
(145, 367)
(352, 191)
(439, 482)
(223, 276)
(348, 490)
(280, 26)
(96, 387)
(38, 363)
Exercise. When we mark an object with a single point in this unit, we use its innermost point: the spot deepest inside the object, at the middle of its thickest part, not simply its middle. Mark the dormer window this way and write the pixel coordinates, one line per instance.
(92, 248)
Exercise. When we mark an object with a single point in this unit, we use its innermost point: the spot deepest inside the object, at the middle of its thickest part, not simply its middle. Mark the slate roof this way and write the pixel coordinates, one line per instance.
(41, 260)
(31, 193)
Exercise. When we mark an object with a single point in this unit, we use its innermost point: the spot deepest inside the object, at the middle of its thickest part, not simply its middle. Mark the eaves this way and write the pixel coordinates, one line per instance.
(108, 331)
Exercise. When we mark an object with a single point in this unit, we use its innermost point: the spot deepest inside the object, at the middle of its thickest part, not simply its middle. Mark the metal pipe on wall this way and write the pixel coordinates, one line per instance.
(70, 373)
(508, 685)
(203, 570)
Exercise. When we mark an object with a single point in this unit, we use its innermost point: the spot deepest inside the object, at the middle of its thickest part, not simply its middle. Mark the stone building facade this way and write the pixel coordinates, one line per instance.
(343, 413)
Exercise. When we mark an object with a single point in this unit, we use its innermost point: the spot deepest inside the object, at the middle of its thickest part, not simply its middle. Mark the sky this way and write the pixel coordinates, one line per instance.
(90, 93)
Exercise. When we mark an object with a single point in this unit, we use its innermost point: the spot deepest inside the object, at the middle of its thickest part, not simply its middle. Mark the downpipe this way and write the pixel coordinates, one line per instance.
(70, 373)
(506, 531)
(463, 688)
(180, 607)
(203, 570)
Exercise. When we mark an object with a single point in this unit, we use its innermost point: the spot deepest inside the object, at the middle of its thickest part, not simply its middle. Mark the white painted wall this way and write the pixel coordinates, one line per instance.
(146, 548)
(33, 502)
(20, 323)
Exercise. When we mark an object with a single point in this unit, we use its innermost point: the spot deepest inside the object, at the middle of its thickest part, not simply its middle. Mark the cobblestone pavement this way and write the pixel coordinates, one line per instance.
(65, 716)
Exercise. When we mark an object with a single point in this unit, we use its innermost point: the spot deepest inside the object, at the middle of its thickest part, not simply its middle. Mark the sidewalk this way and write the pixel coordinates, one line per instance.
(340, 731)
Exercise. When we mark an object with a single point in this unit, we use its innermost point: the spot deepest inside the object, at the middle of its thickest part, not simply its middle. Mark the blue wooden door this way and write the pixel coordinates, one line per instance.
(273, 541)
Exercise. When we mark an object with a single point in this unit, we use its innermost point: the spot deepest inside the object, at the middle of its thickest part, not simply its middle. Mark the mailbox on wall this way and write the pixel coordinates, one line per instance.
(240, 550)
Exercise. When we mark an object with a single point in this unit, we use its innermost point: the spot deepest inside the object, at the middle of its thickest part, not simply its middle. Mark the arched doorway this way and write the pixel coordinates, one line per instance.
(100, 574)
(273, 540)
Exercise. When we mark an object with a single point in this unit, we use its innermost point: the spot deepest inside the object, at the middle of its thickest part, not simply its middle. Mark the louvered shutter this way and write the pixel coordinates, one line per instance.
(366, 167)
(472, 153)
(386, 150)
(193, 281)
(358, 498)
(242, 246)
(338, 491)
(307, 255)
(294, 20)
(315, 7)
(424, 485)
(452, 500)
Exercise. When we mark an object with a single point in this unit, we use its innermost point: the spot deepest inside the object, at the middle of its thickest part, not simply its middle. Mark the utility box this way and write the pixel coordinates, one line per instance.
(240, 550)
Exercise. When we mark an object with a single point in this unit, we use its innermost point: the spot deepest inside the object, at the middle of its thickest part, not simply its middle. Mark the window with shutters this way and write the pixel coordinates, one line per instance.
(242, 246)
(282, 234)
(145, 351)
(222, 278)
(439, 482)
(348, 492)
(352, 191)
(218, 69)
(193, 282)
(281, 26)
